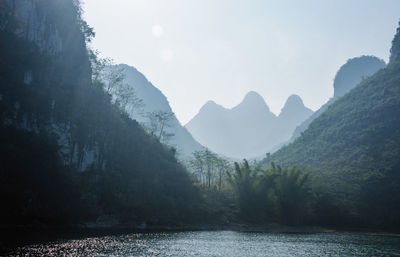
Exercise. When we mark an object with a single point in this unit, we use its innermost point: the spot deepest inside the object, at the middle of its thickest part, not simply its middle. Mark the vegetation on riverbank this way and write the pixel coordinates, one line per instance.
(70, 156)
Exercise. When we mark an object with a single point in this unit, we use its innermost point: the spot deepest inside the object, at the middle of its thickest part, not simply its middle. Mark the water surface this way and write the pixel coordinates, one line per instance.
(219, 243)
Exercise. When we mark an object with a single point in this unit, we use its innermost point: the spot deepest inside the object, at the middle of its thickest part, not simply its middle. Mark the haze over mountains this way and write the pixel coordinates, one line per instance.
(348, 76)
(353, 148)
(72, 156)
(249, 129)
(154, 101)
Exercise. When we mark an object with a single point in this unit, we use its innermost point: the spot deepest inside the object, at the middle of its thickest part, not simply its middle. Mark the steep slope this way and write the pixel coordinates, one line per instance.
(349, 75)
(153, 101)
(249, 129)
(292, 114)
(354, 146)
(349, 128)
(68, 155)
(232, 132)
(304, 125)
(395, 50)
(207, 128)
(251, 120)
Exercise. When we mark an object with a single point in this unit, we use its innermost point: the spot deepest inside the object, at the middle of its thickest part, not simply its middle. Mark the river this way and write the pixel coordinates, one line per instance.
(218, 243)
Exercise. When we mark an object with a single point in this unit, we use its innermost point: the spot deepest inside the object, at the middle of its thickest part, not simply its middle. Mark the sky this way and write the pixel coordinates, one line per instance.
(200, 50)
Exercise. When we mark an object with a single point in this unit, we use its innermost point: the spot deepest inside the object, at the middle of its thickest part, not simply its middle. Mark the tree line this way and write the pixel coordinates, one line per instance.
(71, 153)
(253, 194)
(124, 97)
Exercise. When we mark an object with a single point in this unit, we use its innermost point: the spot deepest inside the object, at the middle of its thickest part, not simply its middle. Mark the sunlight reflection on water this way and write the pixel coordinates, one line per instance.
(219, 243)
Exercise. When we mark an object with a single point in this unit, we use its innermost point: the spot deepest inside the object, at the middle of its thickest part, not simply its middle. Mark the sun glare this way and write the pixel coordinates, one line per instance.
(157, 30)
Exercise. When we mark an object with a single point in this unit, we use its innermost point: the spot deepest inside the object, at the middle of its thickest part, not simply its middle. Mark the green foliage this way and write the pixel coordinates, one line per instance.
(70, 148)
(158, 123)
(292, 193)
(209, 169)
(70, 154)
(276, 194)
(353, 149)
(243, 181)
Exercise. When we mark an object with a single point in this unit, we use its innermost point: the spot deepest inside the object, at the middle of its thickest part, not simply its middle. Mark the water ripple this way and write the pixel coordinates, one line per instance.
(219, 243)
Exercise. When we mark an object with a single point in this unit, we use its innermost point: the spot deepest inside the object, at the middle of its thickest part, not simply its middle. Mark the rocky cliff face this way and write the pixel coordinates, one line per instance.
(46, 47)
(54, 26)
(55, 120)
(34, 20)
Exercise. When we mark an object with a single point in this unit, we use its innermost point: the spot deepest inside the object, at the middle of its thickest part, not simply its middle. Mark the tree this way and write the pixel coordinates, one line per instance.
(158, 123)
(210, 161)
(197, 164)
(127, 100)
(122, 95)
(223, 166)
(98, 65)
(243, 181)
(293, 194)
(209, 168)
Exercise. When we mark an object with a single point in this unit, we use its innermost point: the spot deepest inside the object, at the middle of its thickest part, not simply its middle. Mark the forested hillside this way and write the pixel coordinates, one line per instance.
(354, 148)
(69, 155)
(150, 107)
(348, 76)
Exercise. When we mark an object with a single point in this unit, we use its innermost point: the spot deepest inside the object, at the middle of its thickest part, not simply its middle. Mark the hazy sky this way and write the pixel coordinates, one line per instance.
(200, 50)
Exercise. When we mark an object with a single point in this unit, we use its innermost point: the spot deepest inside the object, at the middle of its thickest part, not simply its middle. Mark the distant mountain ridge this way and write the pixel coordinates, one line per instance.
(154, 100)
(249, 129)
(349, 76)
(353, 148)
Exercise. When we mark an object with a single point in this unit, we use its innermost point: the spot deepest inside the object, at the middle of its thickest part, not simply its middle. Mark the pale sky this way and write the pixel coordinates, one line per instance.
(200, 50)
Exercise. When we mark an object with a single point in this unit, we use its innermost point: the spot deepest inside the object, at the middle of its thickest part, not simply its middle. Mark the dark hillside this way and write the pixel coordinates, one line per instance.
(68, 155)
(354, 146)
